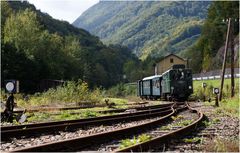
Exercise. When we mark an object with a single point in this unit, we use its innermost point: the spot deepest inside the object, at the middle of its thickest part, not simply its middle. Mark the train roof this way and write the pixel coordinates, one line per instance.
(152, 77)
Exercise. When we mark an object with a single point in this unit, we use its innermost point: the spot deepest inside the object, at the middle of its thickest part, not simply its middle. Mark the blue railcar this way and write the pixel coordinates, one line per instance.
(149, 87)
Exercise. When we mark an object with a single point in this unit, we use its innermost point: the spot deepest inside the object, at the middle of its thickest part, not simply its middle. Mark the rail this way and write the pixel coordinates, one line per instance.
(31, 129)
(83, 142)
(144, 146)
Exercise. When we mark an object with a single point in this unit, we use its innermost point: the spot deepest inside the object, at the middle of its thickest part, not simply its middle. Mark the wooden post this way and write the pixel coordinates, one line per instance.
(232, 60)
(216, 101)
(224, 60)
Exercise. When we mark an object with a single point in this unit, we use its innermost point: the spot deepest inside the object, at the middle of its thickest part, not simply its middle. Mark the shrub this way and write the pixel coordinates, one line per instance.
(71, 92)
(122, 90)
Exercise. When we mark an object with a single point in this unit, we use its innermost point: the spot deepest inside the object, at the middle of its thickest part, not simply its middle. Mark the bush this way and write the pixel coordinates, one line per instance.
(122, 90)
(71, 92)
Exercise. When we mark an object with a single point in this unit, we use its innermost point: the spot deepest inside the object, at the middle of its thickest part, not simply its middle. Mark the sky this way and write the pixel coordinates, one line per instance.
(68, 10)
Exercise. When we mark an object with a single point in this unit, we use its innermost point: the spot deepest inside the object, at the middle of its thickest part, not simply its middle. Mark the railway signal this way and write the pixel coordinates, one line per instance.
(11, 86)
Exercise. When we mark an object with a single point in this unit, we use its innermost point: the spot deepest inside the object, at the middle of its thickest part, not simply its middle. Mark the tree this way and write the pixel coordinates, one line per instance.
(213, 35)
(23, 31)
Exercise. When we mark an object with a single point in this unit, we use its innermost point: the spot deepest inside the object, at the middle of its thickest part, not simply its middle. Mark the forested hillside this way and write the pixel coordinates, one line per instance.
(146, 27)
(207, 53)
(35, 46)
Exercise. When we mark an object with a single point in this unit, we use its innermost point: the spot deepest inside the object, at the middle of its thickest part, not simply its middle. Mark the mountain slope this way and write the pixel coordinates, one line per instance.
(146, 27)
(46, 48)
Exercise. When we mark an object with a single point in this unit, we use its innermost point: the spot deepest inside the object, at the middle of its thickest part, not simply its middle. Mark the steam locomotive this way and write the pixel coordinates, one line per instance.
(174, 84)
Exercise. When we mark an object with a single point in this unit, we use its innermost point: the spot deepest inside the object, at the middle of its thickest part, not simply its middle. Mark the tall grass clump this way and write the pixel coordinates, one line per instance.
(122, 90)
(70, 93)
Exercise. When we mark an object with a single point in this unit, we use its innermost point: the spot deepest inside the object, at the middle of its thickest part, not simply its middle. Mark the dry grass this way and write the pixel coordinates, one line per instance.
(222, 145)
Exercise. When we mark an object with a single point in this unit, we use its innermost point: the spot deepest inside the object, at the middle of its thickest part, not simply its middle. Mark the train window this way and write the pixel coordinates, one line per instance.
(146, 84)
(178, 75)
(157, 84)
(188, 75)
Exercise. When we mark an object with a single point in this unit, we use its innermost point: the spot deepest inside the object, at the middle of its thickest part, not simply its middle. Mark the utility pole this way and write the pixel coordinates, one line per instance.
(224, 59)
(232, 60)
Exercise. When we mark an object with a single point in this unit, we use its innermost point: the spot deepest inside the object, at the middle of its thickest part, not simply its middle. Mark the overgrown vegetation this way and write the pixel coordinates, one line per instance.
(222, 145)
(179, 122)
(229, 106)
(72, 92)
(193, 140)
(199, 93)
(129, 142)
(178, 117)
(122, 90)
(64, 115)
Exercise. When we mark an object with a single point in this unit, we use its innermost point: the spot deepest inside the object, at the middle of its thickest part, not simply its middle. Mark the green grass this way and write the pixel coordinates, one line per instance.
(129, 142)
(229, 106)
(64, 115)
(193, 140)
(198, 92)
(167, 127)
(178, 117)
(117, 101)
(183, 123)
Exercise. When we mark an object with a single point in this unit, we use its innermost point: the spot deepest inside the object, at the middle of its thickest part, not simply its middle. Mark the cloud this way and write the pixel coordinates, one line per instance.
(67, 10)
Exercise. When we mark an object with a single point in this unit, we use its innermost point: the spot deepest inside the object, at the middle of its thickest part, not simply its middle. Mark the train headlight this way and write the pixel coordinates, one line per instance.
(190, 87)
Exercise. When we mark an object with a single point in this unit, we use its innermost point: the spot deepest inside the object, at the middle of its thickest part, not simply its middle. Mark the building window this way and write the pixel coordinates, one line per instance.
(171, 60)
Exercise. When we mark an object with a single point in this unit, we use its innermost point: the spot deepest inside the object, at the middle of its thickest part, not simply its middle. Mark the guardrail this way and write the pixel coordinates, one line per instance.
(216, 77)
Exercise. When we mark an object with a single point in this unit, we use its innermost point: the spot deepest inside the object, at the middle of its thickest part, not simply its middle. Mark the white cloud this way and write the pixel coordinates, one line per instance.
(67, 10)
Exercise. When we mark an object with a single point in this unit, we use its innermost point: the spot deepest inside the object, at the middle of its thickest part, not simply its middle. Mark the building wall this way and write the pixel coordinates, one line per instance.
(167, 63)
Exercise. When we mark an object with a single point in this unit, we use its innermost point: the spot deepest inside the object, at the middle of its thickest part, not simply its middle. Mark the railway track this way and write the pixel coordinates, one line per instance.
(141, 107)
(27, 130)
(81, 143)
(46, 109)
(85, 141)
(163, 138)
